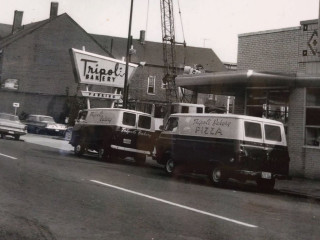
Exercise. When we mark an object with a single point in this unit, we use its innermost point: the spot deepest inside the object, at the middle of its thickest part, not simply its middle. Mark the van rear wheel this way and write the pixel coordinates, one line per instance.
(140, 159)
(265, 185)
(79, 150)
(105, 154)
(169, 167)
(218, 176)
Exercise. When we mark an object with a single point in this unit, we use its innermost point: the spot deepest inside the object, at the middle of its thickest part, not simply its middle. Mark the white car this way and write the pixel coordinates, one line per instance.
(11, 125)
(42, 124)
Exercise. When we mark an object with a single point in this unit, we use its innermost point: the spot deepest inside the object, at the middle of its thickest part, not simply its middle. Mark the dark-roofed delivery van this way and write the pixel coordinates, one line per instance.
(114, 132)
(225, 146)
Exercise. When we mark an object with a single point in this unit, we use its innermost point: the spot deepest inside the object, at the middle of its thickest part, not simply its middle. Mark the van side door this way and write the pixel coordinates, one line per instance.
(125, 133)
(145, 135)
(253, 146)
(276, 149)
(166, 143)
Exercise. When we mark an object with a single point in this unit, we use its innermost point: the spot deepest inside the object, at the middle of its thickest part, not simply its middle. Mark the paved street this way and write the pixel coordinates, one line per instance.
(48, 193)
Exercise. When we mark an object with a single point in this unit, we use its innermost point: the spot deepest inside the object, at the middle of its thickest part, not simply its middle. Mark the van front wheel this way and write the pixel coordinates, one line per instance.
(218, 176)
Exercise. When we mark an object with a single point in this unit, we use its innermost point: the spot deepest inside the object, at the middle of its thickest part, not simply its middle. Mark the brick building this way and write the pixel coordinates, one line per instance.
(147, 85)
(278, 77)
(35, 64)
(36, 69)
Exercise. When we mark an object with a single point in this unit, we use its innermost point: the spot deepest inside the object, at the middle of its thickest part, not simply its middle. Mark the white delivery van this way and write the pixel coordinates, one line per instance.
(225, 146)
(114, 132)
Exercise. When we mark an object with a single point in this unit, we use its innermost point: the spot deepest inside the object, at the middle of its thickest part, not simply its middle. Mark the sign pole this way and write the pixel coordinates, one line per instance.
(16, 105)
(125, 90)
(88, 100)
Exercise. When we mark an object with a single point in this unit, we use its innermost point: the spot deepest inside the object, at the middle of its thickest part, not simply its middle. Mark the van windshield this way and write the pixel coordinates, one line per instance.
(273, 133)
(82, 115)
(172, 124)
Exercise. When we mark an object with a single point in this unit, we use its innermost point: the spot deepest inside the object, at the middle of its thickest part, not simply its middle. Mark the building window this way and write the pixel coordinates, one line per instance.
(312, 133)
(151, 85)
(268, 103)
(164, 85)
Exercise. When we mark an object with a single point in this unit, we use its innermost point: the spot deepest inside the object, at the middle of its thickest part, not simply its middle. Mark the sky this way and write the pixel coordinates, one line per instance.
(213, 24)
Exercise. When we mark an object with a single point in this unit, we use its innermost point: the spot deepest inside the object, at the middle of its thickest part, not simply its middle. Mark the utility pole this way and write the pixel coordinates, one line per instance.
(125, 90)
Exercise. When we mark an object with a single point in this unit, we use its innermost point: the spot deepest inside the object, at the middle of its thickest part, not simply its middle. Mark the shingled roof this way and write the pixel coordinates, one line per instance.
(24, 30)
(152, 53)
(5, 30)
(29, 28)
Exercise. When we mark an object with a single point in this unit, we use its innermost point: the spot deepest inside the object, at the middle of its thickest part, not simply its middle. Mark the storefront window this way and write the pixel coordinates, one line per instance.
(268, 103)
(312, 117)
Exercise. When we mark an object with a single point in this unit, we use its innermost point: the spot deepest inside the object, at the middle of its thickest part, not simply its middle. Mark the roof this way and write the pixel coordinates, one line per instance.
(218, 115)
(25, 29)
(117, 110)
(233, 81)
(29, 28)
(5, 30)
(152, 53)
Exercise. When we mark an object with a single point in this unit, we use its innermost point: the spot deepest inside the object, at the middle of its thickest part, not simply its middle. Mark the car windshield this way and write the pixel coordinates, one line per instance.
(46, 119)
(9, 117)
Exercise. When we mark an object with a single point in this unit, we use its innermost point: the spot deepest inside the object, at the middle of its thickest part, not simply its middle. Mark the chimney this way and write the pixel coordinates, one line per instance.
(54, 9)
(17, 20)
(142, 36)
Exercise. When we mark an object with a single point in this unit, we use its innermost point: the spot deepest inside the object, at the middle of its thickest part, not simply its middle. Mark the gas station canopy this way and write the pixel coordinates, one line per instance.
(229, 82)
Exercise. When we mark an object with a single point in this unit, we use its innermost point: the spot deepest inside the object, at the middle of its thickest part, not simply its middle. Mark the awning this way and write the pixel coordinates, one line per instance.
(232, 81)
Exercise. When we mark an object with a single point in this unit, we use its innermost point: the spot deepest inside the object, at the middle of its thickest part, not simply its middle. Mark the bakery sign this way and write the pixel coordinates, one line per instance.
(90, 68)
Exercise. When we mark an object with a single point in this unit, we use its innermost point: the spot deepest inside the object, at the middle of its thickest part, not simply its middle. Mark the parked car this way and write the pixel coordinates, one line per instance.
(225, 146)
(114, 132)
(42, 124)
(11, 125)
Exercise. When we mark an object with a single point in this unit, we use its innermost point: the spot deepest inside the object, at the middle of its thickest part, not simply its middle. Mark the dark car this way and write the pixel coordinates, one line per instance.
(11, 125)
(42, 124)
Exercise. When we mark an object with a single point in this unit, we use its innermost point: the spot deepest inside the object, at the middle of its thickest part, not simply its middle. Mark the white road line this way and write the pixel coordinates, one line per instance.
(8, 156)
(176, 204)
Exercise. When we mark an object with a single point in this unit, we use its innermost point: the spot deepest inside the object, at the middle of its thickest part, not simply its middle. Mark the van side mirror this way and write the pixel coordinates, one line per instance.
(161, 127)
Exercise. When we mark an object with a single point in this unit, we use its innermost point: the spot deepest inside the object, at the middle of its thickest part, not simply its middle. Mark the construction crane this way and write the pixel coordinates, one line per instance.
(169, 51)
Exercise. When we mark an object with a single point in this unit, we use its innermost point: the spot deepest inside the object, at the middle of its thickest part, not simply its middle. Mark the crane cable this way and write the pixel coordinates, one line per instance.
(184, 50)
(184, 41)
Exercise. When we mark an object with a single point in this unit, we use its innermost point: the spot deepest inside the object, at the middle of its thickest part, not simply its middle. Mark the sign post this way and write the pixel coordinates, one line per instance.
(16, 105)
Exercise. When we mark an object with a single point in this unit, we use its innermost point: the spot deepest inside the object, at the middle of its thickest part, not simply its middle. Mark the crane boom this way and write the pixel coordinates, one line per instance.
(169, 52)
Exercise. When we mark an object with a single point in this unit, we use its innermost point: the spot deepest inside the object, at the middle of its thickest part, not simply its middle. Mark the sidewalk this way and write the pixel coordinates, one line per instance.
(48, 141)
(300, 187)
(297, 186)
